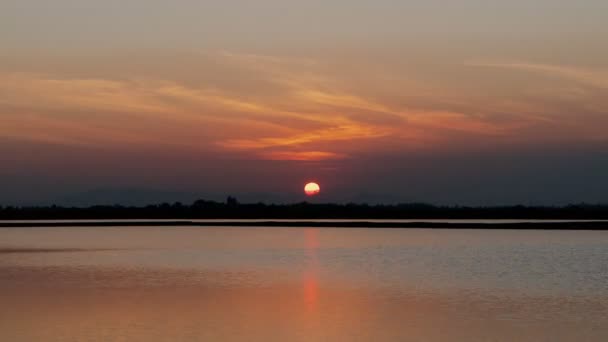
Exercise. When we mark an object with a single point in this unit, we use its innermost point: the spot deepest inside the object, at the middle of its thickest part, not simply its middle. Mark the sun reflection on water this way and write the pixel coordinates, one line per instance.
(311, 272)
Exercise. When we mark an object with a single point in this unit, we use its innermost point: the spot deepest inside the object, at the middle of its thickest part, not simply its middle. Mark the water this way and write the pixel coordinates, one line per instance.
(296, 284)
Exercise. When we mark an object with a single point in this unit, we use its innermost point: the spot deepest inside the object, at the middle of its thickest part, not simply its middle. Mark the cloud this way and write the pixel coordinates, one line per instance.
(592, 77)
(148, 112)
(300, 156)
(310, 112)
(332, 134)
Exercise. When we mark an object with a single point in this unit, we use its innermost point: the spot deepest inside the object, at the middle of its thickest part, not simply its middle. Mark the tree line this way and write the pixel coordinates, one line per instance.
(232, 209)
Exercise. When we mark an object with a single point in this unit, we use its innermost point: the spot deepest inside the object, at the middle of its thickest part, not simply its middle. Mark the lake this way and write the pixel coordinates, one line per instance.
(302, 284)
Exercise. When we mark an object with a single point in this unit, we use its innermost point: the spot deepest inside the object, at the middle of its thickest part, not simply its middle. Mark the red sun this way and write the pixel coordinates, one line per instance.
(312, 189)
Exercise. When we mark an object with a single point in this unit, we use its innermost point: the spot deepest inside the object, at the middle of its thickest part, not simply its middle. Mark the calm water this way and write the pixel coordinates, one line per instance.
(293, 284)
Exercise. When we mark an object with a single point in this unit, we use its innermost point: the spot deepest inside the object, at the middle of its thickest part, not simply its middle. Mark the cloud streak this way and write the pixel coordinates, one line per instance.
(591, 77)
(310, 112)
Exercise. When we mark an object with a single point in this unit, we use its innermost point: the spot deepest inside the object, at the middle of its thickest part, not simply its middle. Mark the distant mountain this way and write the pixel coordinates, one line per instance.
(145, 196)
(129, 197)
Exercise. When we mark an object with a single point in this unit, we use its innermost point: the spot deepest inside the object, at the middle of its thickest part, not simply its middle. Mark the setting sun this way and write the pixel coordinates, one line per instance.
(312, 189)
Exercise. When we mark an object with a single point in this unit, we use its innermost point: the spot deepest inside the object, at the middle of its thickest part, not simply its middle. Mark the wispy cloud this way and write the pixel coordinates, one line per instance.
(592, 77)
(310, 113)
(300, 156)
(338, 133)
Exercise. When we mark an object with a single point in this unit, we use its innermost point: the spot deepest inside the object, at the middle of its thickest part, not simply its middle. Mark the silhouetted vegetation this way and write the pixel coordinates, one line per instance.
(232, 209)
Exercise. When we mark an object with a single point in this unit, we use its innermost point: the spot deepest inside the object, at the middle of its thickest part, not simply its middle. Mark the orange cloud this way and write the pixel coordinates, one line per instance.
(342, 132)
(300, 156)
(309, 111)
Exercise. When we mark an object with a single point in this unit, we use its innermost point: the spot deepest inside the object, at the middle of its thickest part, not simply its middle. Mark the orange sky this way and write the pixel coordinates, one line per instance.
(338, 87)
(273, 107)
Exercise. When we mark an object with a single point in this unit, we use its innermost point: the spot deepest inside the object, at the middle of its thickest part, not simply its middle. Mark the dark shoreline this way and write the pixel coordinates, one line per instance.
(536, 225)
(234, 210)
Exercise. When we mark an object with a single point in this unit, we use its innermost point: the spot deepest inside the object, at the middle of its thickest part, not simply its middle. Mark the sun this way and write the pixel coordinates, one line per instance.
(312, 189)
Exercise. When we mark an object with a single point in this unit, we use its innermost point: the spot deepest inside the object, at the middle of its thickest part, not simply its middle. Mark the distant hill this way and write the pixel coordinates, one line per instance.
(145, 196)
(126, 197)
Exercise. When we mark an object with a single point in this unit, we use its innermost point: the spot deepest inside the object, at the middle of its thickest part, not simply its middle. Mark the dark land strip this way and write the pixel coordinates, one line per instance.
(566, 225)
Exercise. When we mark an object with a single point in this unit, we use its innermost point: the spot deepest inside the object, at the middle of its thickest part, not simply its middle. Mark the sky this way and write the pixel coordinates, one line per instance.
(469, 102)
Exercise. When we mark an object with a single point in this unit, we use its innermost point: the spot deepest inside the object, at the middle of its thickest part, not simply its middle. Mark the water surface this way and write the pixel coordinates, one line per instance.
(298, 284)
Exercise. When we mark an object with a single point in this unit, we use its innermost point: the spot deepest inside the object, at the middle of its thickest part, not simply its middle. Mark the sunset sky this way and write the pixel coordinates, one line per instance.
(459, 102)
